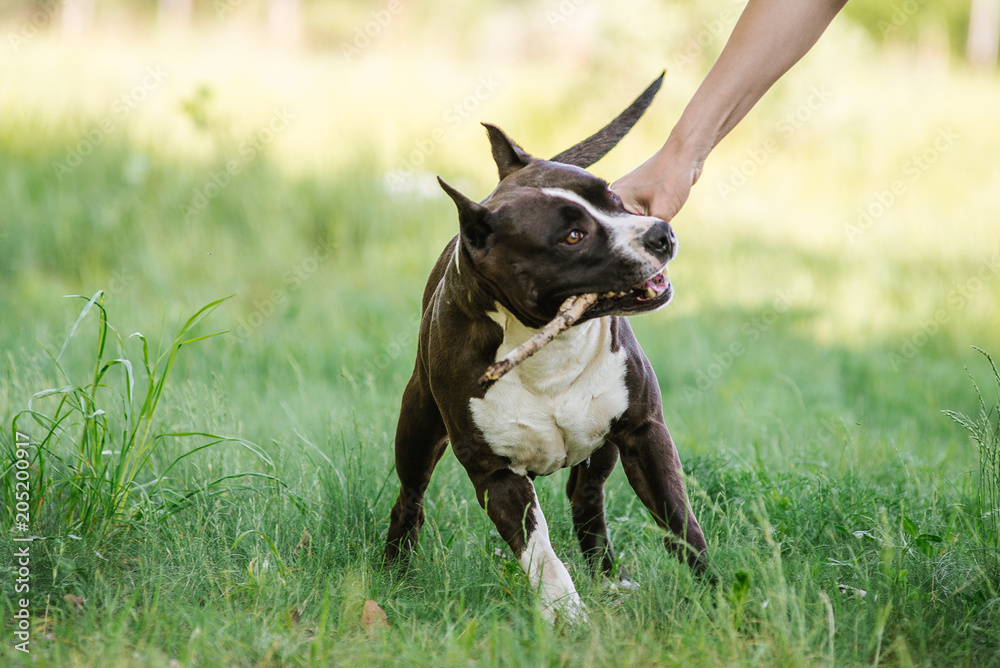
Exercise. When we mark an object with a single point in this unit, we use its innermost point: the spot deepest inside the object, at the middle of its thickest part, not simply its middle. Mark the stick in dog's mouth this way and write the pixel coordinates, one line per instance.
(571, 310)
(568, 314)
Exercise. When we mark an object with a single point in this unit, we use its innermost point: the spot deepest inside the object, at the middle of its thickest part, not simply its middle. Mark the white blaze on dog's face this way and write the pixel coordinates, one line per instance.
(628, 232)
(550, 231)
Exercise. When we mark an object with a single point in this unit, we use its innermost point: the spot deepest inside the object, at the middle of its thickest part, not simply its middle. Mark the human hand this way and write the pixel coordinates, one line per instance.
(770, 36)
(658, 187)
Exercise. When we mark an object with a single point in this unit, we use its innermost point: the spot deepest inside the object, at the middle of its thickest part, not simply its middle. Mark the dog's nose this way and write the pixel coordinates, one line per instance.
(659, 240)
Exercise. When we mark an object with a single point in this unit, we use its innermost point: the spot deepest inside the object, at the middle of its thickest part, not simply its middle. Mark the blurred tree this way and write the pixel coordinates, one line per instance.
(77, 16)
(177, 12)
(284, 22)
(984, 33)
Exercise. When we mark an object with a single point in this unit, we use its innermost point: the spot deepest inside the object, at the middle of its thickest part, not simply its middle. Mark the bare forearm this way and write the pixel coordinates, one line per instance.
(770, 37)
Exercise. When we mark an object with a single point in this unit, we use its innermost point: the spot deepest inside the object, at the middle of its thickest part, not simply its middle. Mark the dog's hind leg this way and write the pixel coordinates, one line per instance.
(585, 489)
(421, 439)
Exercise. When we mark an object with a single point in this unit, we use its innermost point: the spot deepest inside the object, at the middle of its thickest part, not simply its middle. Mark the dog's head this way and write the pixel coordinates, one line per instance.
(551, 230)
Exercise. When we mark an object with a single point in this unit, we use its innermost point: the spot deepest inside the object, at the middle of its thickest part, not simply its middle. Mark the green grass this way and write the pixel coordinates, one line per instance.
(817, 452)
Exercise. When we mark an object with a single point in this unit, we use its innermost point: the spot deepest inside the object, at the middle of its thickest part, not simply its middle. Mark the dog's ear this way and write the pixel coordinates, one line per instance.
(596, 146)
(474, 220)
(506, 153)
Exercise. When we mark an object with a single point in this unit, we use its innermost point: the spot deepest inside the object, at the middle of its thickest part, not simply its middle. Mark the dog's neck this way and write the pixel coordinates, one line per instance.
(475, 295)
(563, 360)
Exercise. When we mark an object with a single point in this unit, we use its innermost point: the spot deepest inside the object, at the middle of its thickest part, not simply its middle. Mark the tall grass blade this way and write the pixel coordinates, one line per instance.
(985, 432)
(103, 462)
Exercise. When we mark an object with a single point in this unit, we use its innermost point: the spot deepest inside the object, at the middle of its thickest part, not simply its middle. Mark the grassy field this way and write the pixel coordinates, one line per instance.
(837, 261)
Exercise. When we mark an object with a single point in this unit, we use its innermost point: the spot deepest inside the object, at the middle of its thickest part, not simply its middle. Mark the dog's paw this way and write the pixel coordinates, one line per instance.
(620, 585)
(567, 610)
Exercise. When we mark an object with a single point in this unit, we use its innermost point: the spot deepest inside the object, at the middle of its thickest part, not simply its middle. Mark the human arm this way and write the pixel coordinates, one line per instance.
(770, 37)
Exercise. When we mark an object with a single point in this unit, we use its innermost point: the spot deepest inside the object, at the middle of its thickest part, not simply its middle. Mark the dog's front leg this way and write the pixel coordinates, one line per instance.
(510, 501)
(654, 470)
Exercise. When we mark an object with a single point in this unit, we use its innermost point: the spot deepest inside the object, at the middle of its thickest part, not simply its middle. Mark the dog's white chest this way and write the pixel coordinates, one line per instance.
(555, 408)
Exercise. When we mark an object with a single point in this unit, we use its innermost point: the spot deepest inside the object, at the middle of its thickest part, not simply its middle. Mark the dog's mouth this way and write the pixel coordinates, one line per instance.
(651, 288)
(649, 295)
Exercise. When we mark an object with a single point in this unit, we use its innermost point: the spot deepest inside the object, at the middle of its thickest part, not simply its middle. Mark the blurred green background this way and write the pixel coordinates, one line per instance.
(838, 257)
(172, 153)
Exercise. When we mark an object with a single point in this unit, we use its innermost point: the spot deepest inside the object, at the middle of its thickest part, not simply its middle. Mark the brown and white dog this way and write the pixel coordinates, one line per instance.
(550, 230)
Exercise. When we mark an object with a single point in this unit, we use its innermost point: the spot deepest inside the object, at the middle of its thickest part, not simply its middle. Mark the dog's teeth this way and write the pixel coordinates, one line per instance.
(607, 295)
(650, 293)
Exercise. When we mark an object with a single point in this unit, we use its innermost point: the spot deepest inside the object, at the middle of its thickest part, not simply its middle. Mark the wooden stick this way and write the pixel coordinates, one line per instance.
(568, 314)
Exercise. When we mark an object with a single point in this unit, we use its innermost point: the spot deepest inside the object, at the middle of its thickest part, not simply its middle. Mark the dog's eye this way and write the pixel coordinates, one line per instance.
(574, 237)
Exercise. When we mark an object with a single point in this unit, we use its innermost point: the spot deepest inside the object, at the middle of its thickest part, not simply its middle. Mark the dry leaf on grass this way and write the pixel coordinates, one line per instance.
(75, 601)
(373, 618)
(304, 543)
